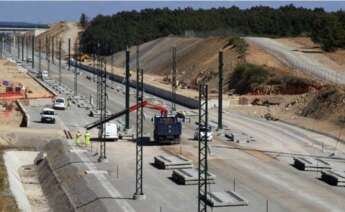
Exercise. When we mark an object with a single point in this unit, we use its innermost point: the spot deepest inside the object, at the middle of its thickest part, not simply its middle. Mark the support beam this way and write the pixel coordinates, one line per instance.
(22, 48)
(69, 53)
(18, 47)
(103, 110)
(76, 74)
(127, 88)
(203, 164)
(53, 44)
(220, 89)
(173, 79)
(139, 193)
(39, 56)
(33, 51)
(60, 57)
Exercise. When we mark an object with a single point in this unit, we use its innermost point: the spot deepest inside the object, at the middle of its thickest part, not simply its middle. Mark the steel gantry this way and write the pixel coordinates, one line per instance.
(103, 109)
(203, 148)
(139, 193)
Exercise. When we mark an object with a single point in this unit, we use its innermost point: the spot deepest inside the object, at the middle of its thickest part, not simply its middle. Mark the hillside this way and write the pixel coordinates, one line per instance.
(61, 30)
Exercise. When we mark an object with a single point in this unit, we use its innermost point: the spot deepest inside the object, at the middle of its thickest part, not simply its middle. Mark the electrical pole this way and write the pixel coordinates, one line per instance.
(2, 44)
(18, 47)
(139, 194)
(22, 48)
(75, 72)
(60, 62)
(48, 53)
(39, 57)
(69, 53)
(127, 87)
(27, 47)
(203, 165)
(53, 50)
(220, 90)
(33, 51)
(103, 114)
(173, 80)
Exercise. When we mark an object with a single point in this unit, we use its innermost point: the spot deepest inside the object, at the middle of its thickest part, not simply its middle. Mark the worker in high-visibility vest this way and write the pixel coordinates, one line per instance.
(87, 138)
(77, 138)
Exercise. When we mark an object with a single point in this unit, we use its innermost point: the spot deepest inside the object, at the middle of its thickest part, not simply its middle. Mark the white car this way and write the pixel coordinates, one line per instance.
(48, 115)
(59, 103)
(203, 130)
(44, 75)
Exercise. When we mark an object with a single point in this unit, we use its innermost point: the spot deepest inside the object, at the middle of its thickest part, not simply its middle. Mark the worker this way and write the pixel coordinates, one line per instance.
(87, 138)
(77, 138)
(184, 116)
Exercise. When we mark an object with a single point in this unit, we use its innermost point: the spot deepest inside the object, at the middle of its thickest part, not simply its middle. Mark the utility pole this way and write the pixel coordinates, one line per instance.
(173, 80)
(53, 50)
(39, 57)
(127, 87)
(220, 90)
(75, 73)
(69, 53)
(27, 47)
(18, 47)
(139, 193)
(22, 48)
(60, 62)
(33, 51)
(48, 53)
(103, 114)
(203, 164)
(2, 45)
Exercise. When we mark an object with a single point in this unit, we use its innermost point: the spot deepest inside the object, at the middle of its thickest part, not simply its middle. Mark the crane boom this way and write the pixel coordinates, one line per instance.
(147, 104)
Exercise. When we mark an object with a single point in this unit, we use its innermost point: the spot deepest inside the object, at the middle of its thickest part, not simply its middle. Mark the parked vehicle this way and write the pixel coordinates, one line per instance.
(167, 129)
(59, 103)
(48, 115)
(111, 131)
(204, 131)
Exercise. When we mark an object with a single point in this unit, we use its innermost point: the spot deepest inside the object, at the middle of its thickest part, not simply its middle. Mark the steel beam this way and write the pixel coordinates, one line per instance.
(173, 80)
(203, 164)
(33, 51)
(220, 90)
(127, 88)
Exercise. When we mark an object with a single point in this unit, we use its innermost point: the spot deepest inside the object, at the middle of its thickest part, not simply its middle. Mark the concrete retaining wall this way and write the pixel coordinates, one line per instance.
(26, 116)
(180, 99)
(66, 183)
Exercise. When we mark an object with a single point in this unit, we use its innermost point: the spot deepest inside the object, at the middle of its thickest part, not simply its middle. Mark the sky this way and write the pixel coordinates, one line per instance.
(47, 12)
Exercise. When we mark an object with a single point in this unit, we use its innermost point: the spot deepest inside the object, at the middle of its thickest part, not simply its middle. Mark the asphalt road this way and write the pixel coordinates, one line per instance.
(258, 176)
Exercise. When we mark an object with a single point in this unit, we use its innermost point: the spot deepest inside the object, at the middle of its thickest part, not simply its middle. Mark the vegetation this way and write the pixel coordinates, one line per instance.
(114, 33)
(250, 78)
(247, 77)
(83, 20)
(239, 44)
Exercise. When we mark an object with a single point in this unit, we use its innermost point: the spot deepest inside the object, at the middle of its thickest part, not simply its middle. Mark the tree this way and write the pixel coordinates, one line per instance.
(83, 20)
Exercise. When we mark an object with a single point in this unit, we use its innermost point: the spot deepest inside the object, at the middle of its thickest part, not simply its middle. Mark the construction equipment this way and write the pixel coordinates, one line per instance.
(167, 128)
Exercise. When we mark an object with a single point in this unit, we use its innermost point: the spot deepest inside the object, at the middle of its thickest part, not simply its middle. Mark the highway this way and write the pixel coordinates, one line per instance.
(259, 176)
(297, 60)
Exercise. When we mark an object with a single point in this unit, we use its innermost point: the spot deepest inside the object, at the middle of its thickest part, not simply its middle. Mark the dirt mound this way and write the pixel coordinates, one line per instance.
(328, 104)
(59, 31)
(196, 58)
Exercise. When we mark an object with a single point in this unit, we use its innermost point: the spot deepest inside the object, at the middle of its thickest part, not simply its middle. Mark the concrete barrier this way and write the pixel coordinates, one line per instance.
(26, 116)
(179, 99)
(69, 183)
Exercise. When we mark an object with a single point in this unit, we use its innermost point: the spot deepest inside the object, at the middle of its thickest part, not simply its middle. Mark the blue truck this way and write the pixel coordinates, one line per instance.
(167, 129)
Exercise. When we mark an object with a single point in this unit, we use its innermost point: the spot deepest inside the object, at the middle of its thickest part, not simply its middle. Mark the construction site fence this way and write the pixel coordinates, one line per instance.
(164, 94)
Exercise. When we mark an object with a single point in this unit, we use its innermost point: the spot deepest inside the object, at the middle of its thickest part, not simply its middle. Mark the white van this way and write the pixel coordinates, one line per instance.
(44, 75)
(111, 131)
